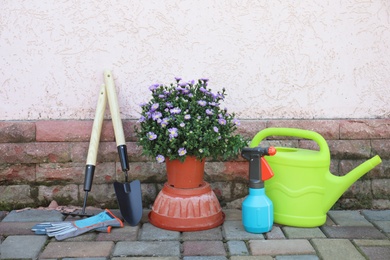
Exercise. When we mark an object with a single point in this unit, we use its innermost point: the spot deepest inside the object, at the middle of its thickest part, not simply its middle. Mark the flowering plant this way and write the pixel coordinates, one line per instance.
(185, 118)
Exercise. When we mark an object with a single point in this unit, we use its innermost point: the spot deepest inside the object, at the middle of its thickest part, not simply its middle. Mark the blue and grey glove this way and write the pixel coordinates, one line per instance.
(62, 230)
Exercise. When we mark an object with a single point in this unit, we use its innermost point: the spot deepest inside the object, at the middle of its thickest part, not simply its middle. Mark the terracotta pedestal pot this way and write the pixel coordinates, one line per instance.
(186, 202)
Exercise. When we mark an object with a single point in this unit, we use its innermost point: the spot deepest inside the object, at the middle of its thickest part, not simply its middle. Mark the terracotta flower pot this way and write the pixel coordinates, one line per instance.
(185, 175)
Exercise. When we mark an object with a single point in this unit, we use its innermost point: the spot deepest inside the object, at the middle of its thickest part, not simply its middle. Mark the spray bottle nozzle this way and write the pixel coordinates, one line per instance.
(259, 170)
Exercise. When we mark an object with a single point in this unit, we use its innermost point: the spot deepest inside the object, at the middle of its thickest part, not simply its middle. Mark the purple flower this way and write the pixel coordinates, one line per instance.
(142, 119)
(151, 136)
(153, 87)
(204, 80)
(172, 132)
(203, 90)
(175, 110)
(202, 103)
(182, 124)
(215, 129)
(156, 115)
(143, 104)
(160, 158)
(182, 151)
(236, 121)
(185, 91)
(222, 121)
(154, 107)
(187, 117)
(177, 79)
(164, 122)
(169, 104)
(209, 112)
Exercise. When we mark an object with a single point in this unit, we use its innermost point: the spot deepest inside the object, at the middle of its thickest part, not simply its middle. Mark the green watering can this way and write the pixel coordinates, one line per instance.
(302, 189)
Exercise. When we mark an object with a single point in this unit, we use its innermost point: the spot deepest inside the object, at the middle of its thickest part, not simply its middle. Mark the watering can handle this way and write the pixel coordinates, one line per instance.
(295, 132)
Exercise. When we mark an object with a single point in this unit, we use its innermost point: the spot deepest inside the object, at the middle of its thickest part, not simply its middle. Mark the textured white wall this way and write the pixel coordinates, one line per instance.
(277, 59)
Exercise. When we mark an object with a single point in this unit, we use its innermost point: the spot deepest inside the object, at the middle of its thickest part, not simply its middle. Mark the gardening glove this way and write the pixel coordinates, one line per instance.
(40, 229)
(63, 230)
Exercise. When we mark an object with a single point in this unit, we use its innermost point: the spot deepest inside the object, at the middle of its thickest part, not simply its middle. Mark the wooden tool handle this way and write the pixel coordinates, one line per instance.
(97, 126)
(114, 108)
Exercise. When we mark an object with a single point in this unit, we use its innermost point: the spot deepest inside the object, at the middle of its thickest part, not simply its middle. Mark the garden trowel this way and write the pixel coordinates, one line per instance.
(128, 194)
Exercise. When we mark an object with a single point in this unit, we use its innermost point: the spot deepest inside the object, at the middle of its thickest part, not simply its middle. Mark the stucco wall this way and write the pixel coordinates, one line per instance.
(277, 59)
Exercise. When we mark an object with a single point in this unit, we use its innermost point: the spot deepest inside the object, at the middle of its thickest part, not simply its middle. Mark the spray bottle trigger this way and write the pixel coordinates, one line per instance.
(266, 171)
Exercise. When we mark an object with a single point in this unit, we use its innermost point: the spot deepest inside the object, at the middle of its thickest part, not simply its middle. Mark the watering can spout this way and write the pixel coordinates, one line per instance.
(337, 185)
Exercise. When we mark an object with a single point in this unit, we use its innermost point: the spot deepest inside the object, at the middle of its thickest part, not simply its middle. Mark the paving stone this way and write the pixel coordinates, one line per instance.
(381, 215)
(14, 247)
(77, 249)
(352, 232)
(210, 234)
(297, 257)
(146, 258)
(34, 215)
(127, 233)
(293, 232)
(16, 228)
(86, 258)
(234, 230)
(336, 249)
(376, 252)
(237, 248)
(259, 257)
(383, 225)
(281, 247)
(203, 248)
(371, 242)
(232, 214)
(204, 258)
(150, 232)
(275, 233)
(348, 218)
(147, 248)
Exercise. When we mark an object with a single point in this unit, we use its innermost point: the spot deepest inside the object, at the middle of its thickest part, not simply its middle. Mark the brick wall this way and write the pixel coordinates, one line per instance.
(44, 160)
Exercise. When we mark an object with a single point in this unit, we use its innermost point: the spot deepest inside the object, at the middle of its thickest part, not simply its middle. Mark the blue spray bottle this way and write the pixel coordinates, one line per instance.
(257, 208)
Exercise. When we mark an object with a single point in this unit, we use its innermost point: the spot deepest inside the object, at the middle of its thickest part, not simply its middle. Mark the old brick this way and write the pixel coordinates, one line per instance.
(381, 171)
(222, 190)
(348, 165)
(381, 147)
(100, 193)
(15, 194)
(365, 129)
(380, 188)
(69, 193)
(360, 188)
(17, 132)
(149, 194)
(226, 171)
(60, 172)
(350, 149)
(329, 129)
(34, 152)
(70, 131)
(128, 128)
(249, 128)
(144, 171)
(381, 204)
(17, 173)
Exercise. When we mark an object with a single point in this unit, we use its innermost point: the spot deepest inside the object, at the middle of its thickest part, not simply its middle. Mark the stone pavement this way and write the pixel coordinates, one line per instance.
(353, 235)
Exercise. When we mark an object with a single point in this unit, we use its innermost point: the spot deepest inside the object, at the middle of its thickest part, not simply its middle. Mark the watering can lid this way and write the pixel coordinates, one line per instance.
(299, 157)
